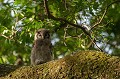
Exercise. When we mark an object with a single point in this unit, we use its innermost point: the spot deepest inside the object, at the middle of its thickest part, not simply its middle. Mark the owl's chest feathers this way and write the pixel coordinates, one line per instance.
(42, 50)
(42, 45)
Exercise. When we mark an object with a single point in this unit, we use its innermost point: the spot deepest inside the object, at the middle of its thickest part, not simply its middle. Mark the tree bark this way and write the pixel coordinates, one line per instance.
(80, 65)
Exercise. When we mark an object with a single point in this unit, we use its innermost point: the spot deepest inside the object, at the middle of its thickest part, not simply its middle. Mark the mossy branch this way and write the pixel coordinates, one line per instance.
(81, 65)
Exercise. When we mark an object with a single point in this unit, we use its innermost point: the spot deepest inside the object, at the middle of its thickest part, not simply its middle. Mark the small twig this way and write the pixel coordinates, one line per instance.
(5, 36)
(101, 19)
(107, 23)
(65, 36)
(65, 4)
(96, 24)
(94, 42)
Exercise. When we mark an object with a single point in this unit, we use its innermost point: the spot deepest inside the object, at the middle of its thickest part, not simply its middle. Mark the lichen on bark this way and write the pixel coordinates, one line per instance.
(81, 65)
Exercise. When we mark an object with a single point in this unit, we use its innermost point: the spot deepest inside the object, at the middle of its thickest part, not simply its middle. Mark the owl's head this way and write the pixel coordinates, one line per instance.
(42, 34)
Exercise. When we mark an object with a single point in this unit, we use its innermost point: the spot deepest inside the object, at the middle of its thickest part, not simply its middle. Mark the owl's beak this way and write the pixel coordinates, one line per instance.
(41, 37)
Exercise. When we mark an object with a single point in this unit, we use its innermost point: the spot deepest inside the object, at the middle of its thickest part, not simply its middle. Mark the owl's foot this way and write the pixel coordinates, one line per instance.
(37, 62)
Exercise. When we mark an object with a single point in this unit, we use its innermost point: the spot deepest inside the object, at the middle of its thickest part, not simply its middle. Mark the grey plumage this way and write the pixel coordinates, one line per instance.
(42, 47)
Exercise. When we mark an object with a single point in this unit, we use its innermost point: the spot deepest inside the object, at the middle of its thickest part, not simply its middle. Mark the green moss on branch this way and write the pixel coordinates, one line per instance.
(81, 65)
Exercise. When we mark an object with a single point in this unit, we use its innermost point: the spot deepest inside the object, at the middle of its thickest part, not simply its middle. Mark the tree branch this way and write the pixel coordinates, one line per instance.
(50, 16)
(101, 19)
(80, 65)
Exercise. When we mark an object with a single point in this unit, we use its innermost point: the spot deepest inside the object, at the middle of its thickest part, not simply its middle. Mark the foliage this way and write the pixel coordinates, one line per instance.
(19, 20)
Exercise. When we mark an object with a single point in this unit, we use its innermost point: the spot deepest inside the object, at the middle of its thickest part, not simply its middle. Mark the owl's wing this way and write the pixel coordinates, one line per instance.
(51, 48)
(33, 44)
(32, 57)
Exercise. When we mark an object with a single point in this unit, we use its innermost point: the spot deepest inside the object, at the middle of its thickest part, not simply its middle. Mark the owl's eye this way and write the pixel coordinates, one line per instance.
(38, 35)
(47, 35)
(38, 32)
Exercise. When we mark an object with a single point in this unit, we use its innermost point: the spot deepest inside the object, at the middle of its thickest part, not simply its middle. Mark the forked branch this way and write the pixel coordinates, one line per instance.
(50, 16)
(101, 19)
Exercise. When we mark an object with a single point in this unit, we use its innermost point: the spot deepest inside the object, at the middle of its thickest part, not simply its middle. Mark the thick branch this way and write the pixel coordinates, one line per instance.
(50, 16)
(81, 65)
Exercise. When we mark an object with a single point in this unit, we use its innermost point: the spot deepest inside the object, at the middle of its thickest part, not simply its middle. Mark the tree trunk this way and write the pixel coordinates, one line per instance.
(81, 65)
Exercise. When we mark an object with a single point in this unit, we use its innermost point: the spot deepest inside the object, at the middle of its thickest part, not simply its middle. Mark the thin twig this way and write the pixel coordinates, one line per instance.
(65, 34)
(5, 36)
(94, 42)
(96, 24)
(101, 19)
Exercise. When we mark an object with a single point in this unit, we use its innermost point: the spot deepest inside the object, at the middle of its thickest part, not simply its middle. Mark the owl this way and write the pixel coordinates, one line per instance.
(42, 48)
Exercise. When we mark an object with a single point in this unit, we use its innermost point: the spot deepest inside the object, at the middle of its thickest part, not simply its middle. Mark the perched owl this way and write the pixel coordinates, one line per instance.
(42, 47)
